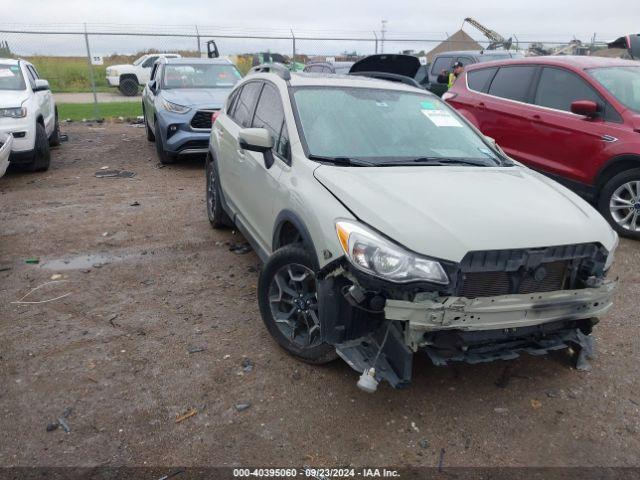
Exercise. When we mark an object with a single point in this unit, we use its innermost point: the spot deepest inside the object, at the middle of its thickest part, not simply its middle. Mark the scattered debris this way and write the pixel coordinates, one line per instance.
(166, 477)
(226, 356)
(21, 301)
(64, 137)
(135, 204)
(102, 173)
(64, 425)
(634, 402)
(423, 444)
(160, 165)
(192, 349)
(240, 407)
(553, 393)
(147, 282)
(5, 268)
(52, 426)
(56, 276)
(111, 321)
(296, 375)
(247, 365)
(188, 414)
(32, 261)
(536, 403)
(501, 410)
(413, 425)
(441, 459)
(240, 248)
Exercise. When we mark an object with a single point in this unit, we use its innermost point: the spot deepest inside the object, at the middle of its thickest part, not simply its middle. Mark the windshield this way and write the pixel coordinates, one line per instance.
(386, 127)
(11, 78)
(140, 60)
(622, 82)
(200, 75)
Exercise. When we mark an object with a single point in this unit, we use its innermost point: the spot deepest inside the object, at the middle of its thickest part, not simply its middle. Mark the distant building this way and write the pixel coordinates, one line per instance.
(458, 41)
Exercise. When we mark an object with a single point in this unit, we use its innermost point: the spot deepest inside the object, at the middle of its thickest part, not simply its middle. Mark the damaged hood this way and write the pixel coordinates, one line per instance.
(445, 212)
(198, 97)
(405, 65)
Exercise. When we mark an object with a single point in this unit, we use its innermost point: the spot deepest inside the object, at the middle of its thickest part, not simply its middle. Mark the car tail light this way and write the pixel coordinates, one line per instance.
(214, 116)
(448, 96)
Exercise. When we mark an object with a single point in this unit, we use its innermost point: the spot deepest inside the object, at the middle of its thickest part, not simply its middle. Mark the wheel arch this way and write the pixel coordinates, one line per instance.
(290, 229)
(615, 166)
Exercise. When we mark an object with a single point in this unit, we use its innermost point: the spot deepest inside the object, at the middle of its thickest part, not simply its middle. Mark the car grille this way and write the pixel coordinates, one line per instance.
(195, 144)
(202, 119)
(545, 278)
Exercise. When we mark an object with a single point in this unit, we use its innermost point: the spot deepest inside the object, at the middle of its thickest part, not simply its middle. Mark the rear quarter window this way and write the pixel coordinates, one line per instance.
(513, 83)
(479, 80)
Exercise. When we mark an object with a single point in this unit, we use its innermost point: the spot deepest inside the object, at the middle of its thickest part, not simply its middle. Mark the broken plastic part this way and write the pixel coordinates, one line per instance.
(367, 381)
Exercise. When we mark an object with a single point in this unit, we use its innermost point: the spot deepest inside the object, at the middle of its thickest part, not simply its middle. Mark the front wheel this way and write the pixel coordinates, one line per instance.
(217, 216)
(150, 136)
(288, 302)
(41, 152)
(619, 203)
(164, 157)
(128, 86)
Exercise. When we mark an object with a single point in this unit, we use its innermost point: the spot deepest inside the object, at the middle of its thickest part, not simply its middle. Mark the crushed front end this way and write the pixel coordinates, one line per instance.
(496, 305)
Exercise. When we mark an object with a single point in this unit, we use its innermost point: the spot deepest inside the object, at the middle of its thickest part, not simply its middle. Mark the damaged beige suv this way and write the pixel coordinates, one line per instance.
(388, 226)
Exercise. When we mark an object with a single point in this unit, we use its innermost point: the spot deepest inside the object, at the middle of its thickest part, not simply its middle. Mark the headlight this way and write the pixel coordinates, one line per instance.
(174, 107)
(18, 112)
(371, 253)
(610, 257)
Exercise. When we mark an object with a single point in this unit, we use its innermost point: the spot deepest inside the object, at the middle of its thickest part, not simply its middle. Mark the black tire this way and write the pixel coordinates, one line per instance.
(150, 135)
(605, 198)
(296, 256)
(164, 157)
(217, 216)
(41, 152)
(128, 86)
(54, 139)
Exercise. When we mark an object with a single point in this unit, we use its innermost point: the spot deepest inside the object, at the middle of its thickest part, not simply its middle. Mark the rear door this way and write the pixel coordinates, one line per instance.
(231, 158)
(504, 112)
(563, 142)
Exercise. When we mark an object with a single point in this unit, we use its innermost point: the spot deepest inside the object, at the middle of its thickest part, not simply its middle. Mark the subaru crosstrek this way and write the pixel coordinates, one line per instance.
(388, 225)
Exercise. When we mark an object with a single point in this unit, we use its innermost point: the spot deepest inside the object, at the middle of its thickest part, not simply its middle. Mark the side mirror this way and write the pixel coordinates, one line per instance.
(41, 85)
(585, 107)
(257, 140)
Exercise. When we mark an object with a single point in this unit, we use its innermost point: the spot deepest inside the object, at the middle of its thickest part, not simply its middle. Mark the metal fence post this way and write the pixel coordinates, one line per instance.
(96, 111)
(198, 37)
(293, 58)
(375, 36)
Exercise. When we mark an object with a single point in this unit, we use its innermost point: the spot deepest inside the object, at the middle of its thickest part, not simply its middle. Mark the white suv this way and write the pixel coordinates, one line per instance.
(388, 225)
(128, 77)
(28, 112)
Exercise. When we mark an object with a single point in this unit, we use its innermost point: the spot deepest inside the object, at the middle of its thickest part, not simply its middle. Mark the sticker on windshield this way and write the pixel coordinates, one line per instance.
(441, 118)
(427, 106)
(381, 104)
(5, 72)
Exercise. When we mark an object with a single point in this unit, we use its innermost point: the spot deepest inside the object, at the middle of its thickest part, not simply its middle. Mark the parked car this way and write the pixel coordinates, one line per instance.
(128, 78)
(6, 140)
(577, 119)
(388, 225)
(393, 67)
(340, 68)
(445, 60)
(28, 112)
(180, 100)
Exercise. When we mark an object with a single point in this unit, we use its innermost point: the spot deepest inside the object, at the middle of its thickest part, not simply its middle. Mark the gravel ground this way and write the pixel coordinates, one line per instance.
(160, 319)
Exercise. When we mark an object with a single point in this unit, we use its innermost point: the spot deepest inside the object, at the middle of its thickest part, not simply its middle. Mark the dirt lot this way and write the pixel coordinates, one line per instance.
(149, 282)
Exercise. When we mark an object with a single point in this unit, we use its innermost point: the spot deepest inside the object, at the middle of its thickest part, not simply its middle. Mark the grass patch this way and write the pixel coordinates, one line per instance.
(78, 111)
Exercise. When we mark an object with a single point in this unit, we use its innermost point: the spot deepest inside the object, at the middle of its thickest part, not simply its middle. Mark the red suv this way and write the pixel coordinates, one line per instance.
(576, 119)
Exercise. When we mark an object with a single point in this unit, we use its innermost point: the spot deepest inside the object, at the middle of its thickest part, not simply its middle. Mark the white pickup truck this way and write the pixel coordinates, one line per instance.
(128, 77)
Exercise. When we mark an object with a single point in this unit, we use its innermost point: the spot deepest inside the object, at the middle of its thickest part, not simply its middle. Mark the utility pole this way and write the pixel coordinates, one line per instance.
(383, 32)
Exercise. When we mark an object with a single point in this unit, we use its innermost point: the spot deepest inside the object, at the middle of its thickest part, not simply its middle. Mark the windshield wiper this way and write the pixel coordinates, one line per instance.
(449, 161)
(345, 161)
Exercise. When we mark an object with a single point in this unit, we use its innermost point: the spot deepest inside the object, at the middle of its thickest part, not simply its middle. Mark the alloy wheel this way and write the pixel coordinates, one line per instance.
(624, 206)
(294, 304)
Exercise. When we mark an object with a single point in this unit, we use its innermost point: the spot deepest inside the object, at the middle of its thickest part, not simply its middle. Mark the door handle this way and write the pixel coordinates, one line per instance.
(481, 105)
(241, 154)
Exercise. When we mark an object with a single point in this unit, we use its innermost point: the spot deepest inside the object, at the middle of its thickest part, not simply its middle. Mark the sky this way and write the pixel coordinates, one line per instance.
(546, 20)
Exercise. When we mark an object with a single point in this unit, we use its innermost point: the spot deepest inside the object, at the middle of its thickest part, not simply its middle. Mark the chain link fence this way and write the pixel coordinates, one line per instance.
(74, 58)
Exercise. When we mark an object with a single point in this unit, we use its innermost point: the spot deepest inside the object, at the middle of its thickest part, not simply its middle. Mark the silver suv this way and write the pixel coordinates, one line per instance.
(388, 225)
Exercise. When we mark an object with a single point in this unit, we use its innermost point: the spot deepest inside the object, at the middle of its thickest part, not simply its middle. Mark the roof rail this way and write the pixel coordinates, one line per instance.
(278, 68)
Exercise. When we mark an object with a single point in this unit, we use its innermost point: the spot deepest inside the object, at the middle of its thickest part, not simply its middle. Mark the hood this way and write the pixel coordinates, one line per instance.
(12, 98)
(405, 65)
(198, 97)
(445, 212)
(123, 66)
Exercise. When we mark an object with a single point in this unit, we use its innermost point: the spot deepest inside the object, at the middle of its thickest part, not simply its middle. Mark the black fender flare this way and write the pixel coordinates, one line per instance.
(289, 216)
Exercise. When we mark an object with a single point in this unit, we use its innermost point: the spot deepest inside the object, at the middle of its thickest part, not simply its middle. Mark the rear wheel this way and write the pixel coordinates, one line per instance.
(41, 152)
(128, 86)
(619, 203)
(288, 302)
(164, 157)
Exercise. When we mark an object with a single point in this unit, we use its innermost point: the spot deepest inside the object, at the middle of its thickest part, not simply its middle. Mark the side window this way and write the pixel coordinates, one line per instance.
(154, 70)
(30, 76)
(270, 115)
(231, 103)
(479, 80)
(512, 83)
(243, 110)
(464, 61)
(33, 71)
(149, 61)
(441, 63)
(558, 88)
